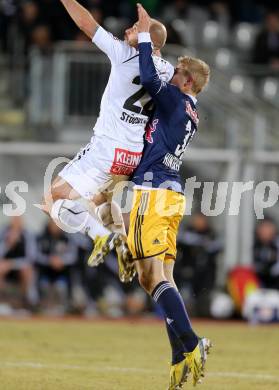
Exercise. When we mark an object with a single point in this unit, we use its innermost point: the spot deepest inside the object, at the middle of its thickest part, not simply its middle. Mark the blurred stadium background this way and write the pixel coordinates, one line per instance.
(51, 83)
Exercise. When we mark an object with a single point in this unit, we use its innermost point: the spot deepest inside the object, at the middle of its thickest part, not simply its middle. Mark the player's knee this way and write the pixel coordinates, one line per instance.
(53, 194)
(56, 193)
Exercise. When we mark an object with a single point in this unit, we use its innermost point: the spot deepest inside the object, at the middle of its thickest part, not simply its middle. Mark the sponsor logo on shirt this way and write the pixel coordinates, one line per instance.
(192, 113)
(150, 129)
(125, 162)
(133, 120)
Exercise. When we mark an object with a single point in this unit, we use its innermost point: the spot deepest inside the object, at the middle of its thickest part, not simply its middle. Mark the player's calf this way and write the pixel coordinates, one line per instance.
(150, 273)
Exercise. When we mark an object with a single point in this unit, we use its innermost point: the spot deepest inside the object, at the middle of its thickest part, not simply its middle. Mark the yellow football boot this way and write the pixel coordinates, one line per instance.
(103, 245)
(126, 267)
(194, 363)
(196, 360)
(178, 375)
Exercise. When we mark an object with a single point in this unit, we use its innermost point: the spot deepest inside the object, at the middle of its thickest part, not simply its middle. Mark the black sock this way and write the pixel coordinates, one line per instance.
(177, 346)
(172, 305)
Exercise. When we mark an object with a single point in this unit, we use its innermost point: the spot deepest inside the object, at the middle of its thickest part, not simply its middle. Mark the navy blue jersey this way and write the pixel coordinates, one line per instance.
(172, 127)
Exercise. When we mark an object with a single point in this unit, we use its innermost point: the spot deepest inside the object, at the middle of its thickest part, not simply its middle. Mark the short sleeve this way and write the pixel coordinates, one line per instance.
(118, 51)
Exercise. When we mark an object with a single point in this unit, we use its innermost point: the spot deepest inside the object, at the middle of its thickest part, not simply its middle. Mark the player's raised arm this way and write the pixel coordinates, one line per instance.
(157, 88)
(82, 18)
(117, 51)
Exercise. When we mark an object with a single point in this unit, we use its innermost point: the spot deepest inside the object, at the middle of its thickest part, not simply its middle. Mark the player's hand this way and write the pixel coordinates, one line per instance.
(144, 19)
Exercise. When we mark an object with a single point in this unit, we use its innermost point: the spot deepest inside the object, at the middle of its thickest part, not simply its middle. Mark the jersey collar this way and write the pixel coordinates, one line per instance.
(193, 98)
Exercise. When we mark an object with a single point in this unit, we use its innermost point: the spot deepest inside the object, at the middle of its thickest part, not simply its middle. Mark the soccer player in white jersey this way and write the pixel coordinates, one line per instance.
(116, 147)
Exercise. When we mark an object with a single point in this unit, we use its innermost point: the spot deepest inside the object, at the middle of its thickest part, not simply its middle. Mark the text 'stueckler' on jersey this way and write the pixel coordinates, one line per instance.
(125, 105)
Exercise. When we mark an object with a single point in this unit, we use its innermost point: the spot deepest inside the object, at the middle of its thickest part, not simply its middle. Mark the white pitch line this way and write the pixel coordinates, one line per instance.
(244, 375)
(248, 376)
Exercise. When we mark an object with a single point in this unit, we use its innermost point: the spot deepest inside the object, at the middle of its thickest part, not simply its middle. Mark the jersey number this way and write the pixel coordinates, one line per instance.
(136, 97)
(180, 149)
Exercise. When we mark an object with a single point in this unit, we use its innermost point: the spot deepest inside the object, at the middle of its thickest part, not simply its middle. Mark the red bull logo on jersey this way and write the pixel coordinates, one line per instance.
(150, 129)
(193, 114)
(125, 162)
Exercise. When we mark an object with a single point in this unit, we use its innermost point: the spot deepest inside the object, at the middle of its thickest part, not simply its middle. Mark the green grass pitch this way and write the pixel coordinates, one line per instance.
(76, 355)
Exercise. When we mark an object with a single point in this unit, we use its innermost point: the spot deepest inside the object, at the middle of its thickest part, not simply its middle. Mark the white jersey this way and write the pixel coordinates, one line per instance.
(125, 105)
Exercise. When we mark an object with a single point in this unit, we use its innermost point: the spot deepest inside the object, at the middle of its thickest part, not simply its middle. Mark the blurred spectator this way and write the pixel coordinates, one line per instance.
(266, 254)
(195, 271)
(97, 14)
(57, 253)
(185, 10)
(17, 254)
(52, 14)
(219, 11)
(266, 48)
(179, 9)
(128, 8)
(29, 17)
(41, 38)
(8, 10)
(251, 11)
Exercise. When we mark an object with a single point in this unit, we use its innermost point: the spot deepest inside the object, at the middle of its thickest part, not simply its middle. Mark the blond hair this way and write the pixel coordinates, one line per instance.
(197, 69)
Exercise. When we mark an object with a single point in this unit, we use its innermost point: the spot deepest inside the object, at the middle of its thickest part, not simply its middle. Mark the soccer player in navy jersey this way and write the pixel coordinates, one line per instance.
(158, 205)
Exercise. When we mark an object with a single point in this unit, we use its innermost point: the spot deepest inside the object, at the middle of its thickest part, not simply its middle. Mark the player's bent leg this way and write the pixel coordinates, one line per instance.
(105, 207)
(70, 215)
(73, 217)
(59, 189)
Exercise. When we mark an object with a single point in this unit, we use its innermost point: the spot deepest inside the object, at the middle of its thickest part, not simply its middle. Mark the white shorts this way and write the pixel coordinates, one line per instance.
(100, 165)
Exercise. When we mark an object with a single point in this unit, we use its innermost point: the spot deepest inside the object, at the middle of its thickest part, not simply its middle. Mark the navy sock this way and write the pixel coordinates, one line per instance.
(172, 305)
(176, 345)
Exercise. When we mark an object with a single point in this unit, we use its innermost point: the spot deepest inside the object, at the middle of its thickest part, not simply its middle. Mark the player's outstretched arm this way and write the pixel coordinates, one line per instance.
(148, 75)
(116, 50)
(149, 78)
(82, 18)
